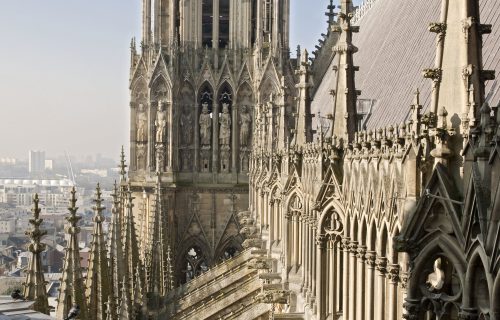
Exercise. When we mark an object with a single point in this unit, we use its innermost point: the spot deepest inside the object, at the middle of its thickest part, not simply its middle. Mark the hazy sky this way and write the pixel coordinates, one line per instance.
(64, 71)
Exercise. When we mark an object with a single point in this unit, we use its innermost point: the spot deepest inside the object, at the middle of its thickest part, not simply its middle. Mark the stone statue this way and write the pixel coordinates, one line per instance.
(205, 125)
(141, 157)
(245, 123)
(161, 123)
(142, 124)
(225, 126)
(186, 123)
(435, 280)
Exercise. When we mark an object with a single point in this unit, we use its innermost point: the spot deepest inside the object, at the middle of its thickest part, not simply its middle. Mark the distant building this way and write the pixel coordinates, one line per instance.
(53, 193)
(7, 226)
(8, 161)
(36, 161)
(49, 165)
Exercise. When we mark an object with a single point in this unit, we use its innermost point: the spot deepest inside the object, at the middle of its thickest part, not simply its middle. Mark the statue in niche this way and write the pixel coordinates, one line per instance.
(225, 126)
(186, 123)
(435, 280)
(141, 157)
(245, 123)
(142, 124)
(161, 123)
(205, 125)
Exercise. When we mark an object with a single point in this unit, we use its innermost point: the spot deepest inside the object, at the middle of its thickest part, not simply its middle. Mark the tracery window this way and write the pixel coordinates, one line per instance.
(268, 14)
(441, 289)
(254, 21)
(224, 23)
(195, 264)
(207, 23)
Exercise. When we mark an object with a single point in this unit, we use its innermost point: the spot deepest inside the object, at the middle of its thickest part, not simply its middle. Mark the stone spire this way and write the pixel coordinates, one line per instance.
(159, 278)
(116, 248)
(35, 285)
(345, 94)
(130, 245)
(303, 133)
(458, 76)
(98, 290)
(71, 292)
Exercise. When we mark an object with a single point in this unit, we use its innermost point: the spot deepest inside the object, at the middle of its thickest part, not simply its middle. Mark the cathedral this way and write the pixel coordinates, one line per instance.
(358, 182)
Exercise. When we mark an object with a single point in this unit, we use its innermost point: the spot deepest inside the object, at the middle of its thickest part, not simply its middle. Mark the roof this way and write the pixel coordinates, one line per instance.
(394, 47)
(19, 310)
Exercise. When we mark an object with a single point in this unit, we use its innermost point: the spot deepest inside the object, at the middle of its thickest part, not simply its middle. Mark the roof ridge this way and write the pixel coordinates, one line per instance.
(362, 10)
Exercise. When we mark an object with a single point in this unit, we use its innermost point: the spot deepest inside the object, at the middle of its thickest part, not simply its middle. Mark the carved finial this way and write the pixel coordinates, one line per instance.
(330, 14)
(123, 166)
(34, 286)
(416, 100)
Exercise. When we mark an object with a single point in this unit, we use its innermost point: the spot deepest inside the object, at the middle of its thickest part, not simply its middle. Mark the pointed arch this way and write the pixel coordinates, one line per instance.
(160, 88)
(383, 241)
(225, 92)
(229, 249)
(372, 240)
(201, 249)
(478, 282)
(496, 296)
(362, 240)
(206, 94)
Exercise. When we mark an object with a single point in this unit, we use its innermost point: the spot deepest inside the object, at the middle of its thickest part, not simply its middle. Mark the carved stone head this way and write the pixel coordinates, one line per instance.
(204, 108)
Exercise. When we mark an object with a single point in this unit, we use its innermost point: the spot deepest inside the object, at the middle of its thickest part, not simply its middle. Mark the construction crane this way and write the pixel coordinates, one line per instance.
(69, 167)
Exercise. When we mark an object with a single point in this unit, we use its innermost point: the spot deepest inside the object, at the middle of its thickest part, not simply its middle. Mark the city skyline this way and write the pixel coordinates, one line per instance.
(72, 95)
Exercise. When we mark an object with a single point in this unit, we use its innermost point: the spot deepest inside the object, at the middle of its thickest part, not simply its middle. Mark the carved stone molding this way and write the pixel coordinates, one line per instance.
(381, 265)
(344, 244)
(412, 309)
(393, 273)
(403, 279)
(370, 259)
(361, 252)
(320, 241)
(433, 74)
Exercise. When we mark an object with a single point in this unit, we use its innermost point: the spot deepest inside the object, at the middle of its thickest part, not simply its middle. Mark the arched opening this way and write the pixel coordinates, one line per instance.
(194, 264)
(229, 252)
(480, 289)
(207, 23)
(254, 21)
(268, 18)
(224, 9)
(383, 242)
(362, 235)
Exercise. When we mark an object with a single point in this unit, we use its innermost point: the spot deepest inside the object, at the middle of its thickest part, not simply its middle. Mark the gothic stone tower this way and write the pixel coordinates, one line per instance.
(203, 71)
